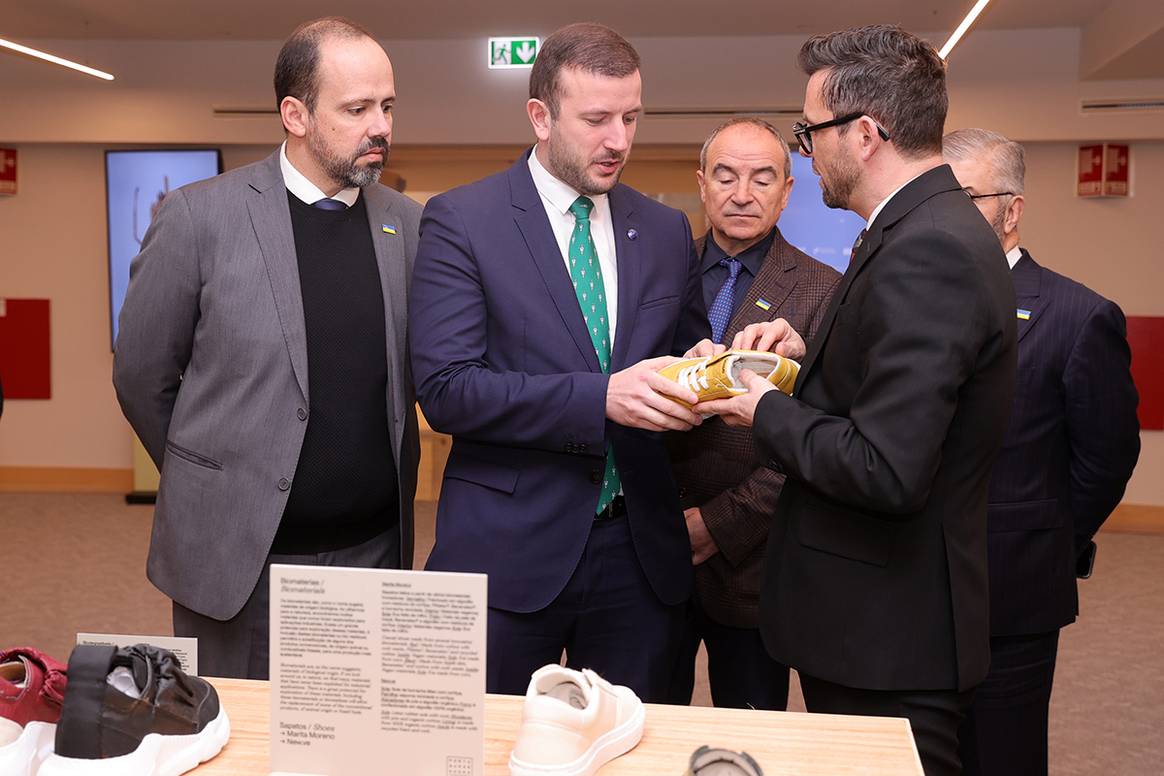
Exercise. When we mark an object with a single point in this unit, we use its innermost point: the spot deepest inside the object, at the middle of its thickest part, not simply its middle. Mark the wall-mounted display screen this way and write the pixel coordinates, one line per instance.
(135, 183)
(822, 232)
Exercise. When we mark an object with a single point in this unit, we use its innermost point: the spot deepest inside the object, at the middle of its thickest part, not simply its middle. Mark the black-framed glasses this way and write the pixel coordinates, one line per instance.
(984, 196)
(803, 132)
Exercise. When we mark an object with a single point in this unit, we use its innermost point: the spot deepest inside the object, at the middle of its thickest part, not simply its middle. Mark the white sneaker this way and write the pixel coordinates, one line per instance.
(573, 723)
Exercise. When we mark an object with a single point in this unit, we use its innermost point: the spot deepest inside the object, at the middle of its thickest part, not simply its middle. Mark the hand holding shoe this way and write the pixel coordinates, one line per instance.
(739, 410)
(776, 336)
(639, 397)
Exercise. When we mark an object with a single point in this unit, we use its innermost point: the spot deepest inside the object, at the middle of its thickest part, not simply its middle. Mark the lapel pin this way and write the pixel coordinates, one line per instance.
(388, 228)
(764, 304)
(1023, 315)
(632, 234)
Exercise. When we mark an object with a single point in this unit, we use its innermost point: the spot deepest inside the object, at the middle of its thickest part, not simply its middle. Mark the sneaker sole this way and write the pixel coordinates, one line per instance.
(23, 756)
(608, 746)
(156, 755)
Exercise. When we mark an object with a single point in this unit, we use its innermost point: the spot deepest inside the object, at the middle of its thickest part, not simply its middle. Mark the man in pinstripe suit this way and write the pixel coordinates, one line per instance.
(750, 273)
(1070, 449)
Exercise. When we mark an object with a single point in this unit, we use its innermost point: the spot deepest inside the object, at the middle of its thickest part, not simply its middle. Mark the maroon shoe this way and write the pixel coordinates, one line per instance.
(32, 687)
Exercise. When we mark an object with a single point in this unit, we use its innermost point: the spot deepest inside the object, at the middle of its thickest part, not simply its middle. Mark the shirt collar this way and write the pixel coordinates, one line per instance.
(1013, 256)
(877, 210)
(306, 191)
(560, 195)
(751, 258)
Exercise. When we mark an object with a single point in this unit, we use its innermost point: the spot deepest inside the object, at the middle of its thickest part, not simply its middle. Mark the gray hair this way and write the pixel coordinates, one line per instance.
(1006, 157)
(754, 121)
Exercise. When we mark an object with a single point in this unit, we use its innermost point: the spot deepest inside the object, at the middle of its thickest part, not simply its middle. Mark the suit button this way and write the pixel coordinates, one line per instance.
(582, 447)
(302, 413)
(284, 484)
(596, 476)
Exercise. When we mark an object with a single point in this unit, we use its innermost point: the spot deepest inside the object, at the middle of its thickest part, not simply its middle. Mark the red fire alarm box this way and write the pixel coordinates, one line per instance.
(7, 170)
(1103, 170)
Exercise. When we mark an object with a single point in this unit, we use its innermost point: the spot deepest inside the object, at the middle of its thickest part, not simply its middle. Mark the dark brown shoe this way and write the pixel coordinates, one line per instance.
(133, 712)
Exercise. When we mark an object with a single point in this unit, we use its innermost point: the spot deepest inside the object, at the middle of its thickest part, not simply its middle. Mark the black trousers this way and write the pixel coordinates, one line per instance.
(607, 618)
(934, 716)
(1005, 731)
(741, 672)
(241, 646)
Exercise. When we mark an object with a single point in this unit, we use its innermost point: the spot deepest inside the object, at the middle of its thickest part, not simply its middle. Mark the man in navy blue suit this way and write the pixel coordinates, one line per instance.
(1071, 446)
(544, 300)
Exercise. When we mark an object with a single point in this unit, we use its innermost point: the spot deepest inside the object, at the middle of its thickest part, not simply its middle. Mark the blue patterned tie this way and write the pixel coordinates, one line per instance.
(720, 311)
(329, 204)
(586, 274)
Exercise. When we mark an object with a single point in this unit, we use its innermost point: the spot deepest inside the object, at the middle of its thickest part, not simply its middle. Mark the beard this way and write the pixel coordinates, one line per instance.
(347, 171)
(838, 184)
(998, 222)
(572, 169)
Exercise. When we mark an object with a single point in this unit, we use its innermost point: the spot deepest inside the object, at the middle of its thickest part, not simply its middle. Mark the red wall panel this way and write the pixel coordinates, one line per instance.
(1146, 338)
(25, 354)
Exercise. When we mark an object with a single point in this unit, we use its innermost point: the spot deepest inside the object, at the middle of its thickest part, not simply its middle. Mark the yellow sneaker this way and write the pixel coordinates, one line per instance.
(718, 377)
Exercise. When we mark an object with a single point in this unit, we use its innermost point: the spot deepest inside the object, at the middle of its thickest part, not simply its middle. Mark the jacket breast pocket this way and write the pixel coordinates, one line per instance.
(663, 301)
(854, 537)
(491, 475)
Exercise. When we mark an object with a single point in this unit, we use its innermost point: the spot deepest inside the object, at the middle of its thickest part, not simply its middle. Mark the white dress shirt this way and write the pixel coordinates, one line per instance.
(877, 210)
(306, 191)
(1013, 256)
(557, 198)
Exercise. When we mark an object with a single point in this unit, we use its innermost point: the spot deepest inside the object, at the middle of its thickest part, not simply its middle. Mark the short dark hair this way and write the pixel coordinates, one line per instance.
(297, 66)
(751, 121)
(586, 46)
(886, 73)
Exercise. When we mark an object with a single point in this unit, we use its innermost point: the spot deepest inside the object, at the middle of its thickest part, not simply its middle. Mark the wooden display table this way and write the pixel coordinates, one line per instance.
(783, 743)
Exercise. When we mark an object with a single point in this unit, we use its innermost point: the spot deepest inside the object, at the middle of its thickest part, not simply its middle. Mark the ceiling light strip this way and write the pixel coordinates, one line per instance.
(965, 25)
(54, 59)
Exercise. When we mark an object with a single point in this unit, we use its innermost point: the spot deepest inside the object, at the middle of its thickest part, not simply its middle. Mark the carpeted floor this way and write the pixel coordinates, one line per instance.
(77, 563)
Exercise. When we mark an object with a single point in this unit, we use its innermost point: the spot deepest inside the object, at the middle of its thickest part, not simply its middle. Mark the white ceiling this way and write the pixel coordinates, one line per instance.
(259, 19)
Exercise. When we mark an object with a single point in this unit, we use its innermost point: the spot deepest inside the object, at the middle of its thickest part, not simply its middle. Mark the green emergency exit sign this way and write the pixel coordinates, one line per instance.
(513, 51)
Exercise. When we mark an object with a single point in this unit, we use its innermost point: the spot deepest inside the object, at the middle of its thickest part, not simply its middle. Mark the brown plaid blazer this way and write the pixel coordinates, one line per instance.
(720, 470)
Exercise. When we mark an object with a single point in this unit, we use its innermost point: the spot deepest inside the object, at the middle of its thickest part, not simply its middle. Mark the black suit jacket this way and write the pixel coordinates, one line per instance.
(1071, 446)
(876, 571)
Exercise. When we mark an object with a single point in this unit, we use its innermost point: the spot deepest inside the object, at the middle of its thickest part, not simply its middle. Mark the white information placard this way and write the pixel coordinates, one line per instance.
(377, 671)
(185, 649)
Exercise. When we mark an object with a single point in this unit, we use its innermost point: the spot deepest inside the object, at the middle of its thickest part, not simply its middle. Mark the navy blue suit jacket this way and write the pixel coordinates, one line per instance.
(503, 362)
(1071, 446)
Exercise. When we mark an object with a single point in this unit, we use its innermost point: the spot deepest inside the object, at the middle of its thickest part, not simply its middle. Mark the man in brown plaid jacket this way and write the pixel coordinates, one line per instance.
(750, 275)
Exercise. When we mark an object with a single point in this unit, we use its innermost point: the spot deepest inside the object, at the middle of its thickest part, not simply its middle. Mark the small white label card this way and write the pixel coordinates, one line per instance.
(186, 650)
(377, 671)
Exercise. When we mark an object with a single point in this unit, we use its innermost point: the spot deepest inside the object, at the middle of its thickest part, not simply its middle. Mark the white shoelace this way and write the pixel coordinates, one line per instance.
(693, 377)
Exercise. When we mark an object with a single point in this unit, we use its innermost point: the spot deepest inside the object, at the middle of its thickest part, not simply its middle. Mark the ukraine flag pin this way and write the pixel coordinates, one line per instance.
(388, 228)
(764, 304)
(1023, 315)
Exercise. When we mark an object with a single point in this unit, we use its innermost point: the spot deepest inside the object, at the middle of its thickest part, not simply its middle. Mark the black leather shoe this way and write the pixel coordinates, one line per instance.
(134, 712)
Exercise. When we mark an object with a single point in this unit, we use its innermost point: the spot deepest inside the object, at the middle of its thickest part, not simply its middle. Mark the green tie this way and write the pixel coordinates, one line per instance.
(586, 273)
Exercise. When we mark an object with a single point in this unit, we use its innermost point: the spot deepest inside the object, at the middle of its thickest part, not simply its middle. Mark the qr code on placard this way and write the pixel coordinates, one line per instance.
(459, 766)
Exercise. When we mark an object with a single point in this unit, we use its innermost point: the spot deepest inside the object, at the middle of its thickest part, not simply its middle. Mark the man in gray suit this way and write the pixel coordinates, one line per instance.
(261, 356)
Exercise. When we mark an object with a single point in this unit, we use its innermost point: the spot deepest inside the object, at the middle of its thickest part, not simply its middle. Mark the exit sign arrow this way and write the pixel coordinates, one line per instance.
(514, 51)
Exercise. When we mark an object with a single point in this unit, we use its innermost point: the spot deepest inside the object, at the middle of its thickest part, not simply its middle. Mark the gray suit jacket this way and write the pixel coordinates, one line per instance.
(210, 368)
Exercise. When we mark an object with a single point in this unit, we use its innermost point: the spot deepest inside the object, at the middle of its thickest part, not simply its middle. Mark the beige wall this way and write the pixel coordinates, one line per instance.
(53, 241)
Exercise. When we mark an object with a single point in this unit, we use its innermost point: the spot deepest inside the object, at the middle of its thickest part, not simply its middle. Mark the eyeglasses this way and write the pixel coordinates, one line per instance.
(983, 196)
(803, 132)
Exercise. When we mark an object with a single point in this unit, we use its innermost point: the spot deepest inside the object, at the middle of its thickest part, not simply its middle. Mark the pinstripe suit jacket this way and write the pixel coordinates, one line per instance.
(719, 469)
(1071, 446)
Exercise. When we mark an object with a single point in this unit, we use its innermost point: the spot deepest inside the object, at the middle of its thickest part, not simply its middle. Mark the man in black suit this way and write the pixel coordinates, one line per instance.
(875, 585)
(1071, 446)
